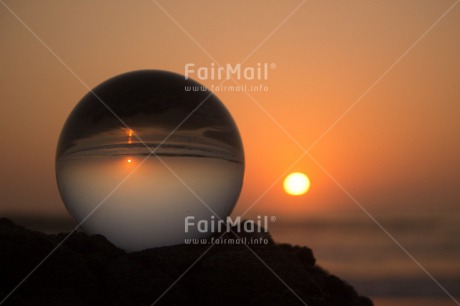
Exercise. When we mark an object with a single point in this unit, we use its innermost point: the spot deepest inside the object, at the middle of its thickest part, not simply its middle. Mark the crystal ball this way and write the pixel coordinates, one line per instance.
(142, 152)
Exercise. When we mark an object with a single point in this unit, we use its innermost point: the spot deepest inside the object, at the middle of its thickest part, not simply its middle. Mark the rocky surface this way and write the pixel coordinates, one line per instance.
(89, 270)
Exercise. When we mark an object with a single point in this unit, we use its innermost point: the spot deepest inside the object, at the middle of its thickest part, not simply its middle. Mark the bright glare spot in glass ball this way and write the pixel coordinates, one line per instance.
(296, 184)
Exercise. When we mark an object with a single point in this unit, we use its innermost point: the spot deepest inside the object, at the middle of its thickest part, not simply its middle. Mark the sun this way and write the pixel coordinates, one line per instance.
(296, 183)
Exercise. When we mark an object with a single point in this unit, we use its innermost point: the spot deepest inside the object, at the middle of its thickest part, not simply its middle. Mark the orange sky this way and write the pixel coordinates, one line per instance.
(397, 150)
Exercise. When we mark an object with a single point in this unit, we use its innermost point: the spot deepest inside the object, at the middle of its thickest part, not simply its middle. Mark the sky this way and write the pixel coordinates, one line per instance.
(362, 96)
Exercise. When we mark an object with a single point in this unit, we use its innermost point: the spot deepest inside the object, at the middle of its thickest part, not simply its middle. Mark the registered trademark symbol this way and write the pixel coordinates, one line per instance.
(273, 218)
(273, 66)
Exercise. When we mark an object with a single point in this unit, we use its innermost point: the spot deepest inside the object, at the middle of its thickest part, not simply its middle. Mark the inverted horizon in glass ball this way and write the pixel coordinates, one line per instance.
(140, 153)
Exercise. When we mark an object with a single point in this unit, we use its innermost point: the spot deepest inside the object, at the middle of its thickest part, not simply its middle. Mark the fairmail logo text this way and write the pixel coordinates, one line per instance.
(228, 72)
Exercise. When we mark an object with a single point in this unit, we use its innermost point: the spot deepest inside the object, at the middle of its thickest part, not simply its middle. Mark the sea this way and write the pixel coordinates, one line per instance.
(403, 260)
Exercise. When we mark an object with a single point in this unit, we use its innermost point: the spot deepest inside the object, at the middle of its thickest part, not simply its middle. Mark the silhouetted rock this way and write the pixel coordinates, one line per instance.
(89, 270)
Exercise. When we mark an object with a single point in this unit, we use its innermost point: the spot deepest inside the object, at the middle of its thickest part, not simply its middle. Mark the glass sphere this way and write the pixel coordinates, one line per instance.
(142, 152)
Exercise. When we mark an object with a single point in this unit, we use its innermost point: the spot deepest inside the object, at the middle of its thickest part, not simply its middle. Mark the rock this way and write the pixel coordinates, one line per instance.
(89, 270)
